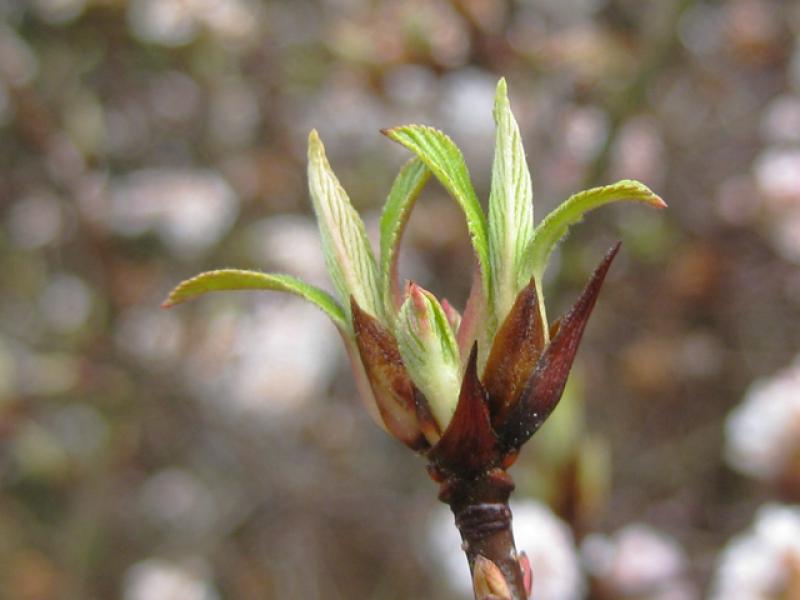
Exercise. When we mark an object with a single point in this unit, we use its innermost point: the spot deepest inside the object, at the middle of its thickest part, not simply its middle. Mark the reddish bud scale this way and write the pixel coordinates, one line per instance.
(545, 386)
(392, 387)
(516, 348)
(468, 445)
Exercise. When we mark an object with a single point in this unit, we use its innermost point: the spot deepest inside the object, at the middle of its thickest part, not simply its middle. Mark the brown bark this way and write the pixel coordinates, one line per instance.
(480, 506)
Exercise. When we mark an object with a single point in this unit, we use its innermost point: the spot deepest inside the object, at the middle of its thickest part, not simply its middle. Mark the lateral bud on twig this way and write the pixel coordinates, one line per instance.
(527, 573)
(488, 581)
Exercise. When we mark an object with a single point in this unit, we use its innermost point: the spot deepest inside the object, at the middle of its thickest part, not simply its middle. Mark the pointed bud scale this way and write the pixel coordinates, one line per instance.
(391, 386)
(516, 348)
(544, 388)
(429, 352)
(488, 581)
(468, 445)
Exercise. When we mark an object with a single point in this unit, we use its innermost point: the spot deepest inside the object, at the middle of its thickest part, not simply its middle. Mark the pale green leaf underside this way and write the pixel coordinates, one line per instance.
(445, 160)
(236, 279)
(554, 227)
(402, 197)
(348, 254)
(430, 354)
(510, 206)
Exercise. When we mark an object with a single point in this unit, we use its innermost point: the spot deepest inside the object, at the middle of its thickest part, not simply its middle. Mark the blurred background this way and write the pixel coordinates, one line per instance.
(218, 450)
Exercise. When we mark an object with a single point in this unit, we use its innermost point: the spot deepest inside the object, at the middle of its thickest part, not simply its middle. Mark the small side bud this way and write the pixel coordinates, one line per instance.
(430, 354)
(488, 581)
(527, 573)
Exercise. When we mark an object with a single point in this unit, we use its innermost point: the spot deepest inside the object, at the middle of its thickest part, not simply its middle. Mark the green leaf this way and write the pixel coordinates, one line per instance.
(510, 207)
(429, 351)
(555, 225)
(445, 160)
(236, 279)
(402, 197)
(348, 254)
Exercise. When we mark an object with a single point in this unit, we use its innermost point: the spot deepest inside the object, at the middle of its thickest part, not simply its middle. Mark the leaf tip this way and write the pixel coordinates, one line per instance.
(315, 147)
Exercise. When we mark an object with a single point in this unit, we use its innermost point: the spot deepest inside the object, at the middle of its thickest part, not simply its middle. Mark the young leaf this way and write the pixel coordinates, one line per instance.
(510, 206)
(401, 199)
(554, 227)
(348, 255)
(445, 160)
(236, 279)
(429, 352)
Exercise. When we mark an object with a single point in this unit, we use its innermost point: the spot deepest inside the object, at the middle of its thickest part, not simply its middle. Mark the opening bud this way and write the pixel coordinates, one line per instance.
(430, 353)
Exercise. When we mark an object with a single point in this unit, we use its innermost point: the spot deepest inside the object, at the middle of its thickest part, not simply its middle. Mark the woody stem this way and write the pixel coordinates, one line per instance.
(480, 506)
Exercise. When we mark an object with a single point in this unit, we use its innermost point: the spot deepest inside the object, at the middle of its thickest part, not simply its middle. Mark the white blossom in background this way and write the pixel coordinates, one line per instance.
(18, 63)
(639, 561)
(36, 220)
(777, 174)
(288, 243)
(65, 303)
(151, 335)
(178, 22)
(780, 121)
(177, 501)
(466, 100)
(546, 540)
(189, 209)
(759, 564)
(158, 579)
(273, 360)
(763, 432)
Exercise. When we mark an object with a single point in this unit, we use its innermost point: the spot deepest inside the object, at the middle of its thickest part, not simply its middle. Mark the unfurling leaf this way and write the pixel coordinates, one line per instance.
(446, 162)
(348, 255)
(429, 352)
(402, 197)
(555, 226)
(510, 207)
(237, 279)
(545, 386)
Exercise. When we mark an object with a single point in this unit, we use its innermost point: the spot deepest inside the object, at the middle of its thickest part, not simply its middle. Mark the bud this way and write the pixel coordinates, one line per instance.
(430, 354)
(488, 581)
